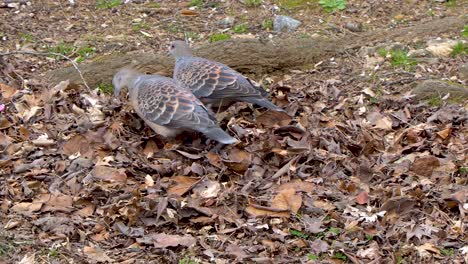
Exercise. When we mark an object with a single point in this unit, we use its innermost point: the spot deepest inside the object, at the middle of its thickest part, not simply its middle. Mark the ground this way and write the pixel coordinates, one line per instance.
(360, 169)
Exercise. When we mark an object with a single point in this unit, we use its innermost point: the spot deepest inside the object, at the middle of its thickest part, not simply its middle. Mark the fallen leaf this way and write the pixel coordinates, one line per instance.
(287, 199)
(28, 259)
(188, 12)
(76, 145)
(110, 174)
(444, 133)
(362, 198)
(424, 166)
(7, 91)
(236, 251)
(298, 186)
(56, 202)
(96, 254)
(163, 240)
(27, 207)
(272, 118)
(258, 211)
(239, 160)
(207, 189)
(182, 185)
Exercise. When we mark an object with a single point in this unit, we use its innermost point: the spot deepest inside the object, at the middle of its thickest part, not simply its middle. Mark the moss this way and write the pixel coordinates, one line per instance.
(219, 37)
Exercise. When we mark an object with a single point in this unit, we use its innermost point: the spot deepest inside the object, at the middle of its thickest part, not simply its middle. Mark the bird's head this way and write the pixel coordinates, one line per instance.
(123, 78)
(179, 48)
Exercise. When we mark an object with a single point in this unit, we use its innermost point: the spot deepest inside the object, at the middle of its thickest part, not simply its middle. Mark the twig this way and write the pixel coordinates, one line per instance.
(75, 65)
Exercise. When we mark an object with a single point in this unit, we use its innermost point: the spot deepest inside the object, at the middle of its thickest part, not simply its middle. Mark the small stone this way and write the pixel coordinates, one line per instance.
(285, 23)
(227, 21)
(463, 72)
(418, 53)
(429, 88)
(354, 27)
(441, 47)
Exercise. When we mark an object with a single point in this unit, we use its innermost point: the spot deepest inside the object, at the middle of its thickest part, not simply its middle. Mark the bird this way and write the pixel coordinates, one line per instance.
(167, 107)
(213, 82)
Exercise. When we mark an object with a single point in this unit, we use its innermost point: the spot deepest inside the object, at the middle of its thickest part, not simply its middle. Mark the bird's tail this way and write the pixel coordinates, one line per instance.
(265, 103)
(219, 135)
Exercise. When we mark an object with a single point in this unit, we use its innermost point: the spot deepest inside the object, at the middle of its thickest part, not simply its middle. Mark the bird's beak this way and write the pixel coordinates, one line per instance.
(117, 91)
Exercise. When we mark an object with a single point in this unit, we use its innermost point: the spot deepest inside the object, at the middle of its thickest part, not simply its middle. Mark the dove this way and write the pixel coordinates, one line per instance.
(167, 107)
(214, 82)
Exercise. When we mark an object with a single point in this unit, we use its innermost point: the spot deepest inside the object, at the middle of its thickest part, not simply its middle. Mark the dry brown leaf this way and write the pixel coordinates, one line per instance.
(236, 251)
(272, 118)
(444, 133)
(56, 202)
(77, 144)
(182, 185)
(424, 166)
(86, 211)
(188, 12)
(28, 259)
(324, 204)
(258, 211)
(214, 159)
(163, 240)
(110, 174)
(96, 254)
(287, 199)
(298, 186)
(239, 160)
(27, 207)
(7, 91)
(362, 198)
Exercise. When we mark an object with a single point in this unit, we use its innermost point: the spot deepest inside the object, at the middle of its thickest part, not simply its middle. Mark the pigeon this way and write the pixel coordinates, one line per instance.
(214, 82)
(167, 107)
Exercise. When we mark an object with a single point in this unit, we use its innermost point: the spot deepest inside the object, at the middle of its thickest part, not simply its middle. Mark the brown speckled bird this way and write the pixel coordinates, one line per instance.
(166, 107)
(214, 82)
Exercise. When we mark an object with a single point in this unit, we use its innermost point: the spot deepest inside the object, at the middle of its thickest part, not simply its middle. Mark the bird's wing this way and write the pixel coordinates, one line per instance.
(212, 79)
(162, 102)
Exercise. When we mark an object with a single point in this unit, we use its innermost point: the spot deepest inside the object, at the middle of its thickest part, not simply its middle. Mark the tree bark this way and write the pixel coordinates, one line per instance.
(256, 55)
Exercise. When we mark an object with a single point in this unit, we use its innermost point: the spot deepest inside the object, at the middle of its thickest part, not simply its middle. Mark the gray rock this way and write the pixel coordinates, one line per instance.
(463, 72)
(227, 21)
(354, 27)
(430, 88)
(285, 23)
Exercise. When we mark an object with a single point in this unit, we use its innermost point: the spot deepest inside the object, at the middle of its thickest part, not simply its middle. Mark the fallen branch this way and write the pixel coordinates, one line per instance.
(260, 56)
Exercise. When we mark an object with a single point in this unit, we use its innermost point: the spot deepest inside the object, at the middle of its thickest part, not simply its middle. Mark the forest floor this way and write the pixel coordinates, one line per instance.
(369, 165)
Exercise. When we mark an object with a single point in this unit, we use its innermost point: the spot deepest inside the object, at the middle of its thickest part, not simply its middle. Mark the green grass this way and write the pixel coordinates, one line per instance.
(61, 48)
(153, 5)
(107, 4)
(26, 37)
(459, 49)
(463, 170)
(334, 230)
(106, 88)
(140, 26)
(400, 59)
(383, 52)
(84, 53)
(192, 35)
(242, 28)
(451, 3)
(333, 5)
(447, 251)
(253, 3)
(293, 4)
(369, 237)
(434, 101)
(339, 255)
(267, 24)
(298, 233)
(219, 37)
(187, 260)
(465, 31)
(196, 3)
